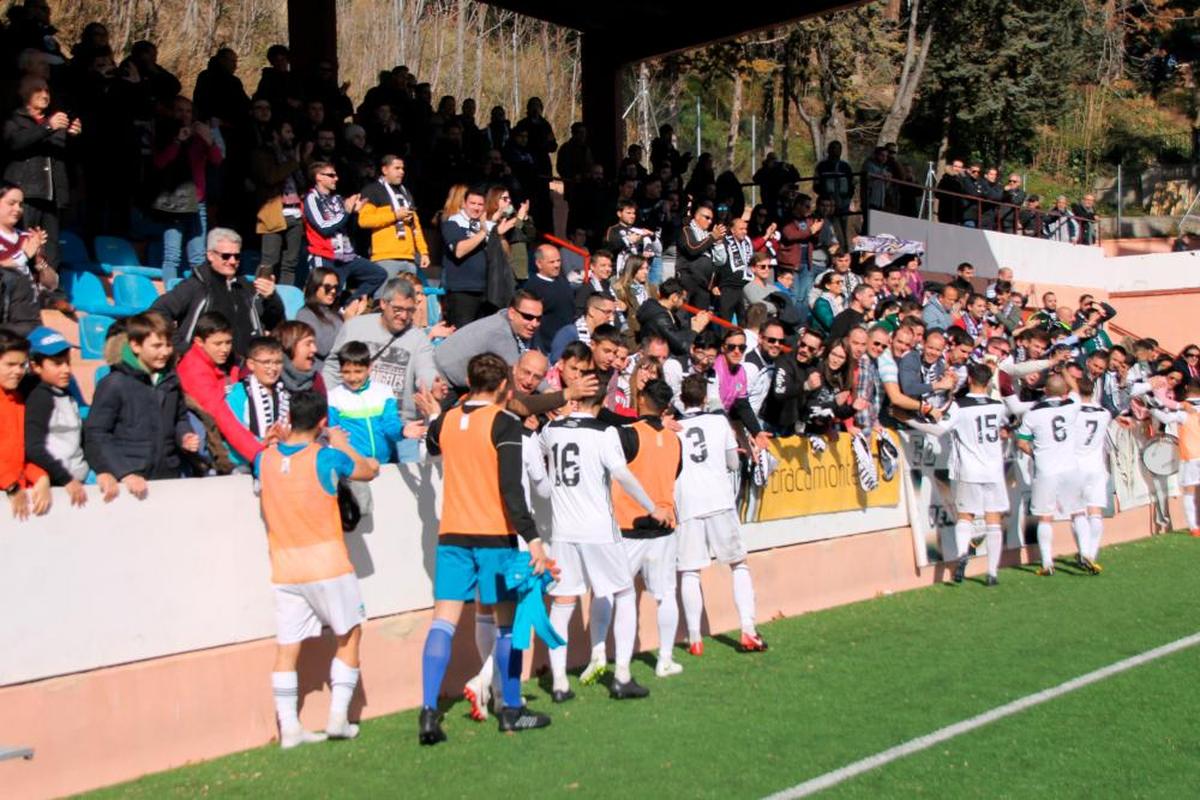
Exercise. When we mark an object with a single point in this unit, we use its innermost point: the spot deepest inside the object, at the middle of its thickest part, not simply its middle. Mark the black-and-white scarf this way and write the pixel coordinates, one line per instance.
(739, 256)
(581, 328)
(266, 406)
(401, 199)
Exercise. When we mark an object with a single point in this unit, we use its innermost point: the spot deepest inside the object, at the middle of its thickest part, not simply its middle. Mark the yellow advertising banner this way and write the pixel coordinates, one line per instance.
(806, 483)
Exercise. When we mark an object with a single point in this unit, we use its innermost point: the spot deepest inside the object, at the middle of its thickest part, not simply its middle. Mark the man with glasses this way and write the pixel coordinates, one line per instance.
(795, 379)
(760, 364)
(1190, 364)
(327, 223)
(390, 214)
(600, 310)
(401, 355)
(252, 309)
(508, 333)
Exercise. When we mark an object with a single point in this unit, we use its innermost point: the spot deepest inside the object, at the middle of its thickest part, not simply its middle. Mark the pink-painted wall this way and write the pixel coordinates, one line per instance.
(110, 725)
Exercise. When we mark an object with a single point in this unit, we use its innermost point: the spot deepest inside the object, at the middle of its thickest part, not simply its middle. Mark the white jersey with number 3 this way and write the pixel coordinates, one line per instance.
(703, 486)
(1051, 426)
(581, 453)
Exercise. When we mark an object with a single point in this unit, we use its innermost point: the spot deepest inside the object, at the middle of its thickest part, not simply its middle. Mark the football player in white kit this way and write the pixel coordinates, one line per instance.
(1091, 434)
(708, 519)
(582, 455)
(1048, 433)
(975, 422)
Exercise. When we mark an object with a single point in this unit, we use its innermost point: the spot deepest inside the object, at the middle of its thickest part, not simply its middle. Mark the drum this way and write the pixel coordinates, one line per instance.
(1160, 456)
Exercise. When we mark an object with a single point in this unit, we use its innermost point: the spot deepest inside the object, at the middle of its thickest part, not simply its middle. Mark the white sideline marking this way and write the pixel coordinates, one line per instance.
(927, 741)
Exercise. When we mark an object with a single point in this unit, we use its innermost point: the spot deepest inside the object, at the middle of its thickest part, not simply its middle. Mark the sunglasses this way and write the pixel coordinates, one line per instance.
(772, 340)
(1191, 355)
(731, 348)
(228, 256)
(328, 287)
(327, 174)
(528, 317)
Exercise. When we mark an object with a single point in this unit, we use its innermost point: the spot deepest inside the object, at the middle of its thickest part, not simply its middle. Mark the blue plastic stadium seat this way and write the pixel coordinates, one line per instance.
(293, 299)
(86, 293)
(118, 255)
(93, 328)
(73, 254)
(433, 306)
(134, 291)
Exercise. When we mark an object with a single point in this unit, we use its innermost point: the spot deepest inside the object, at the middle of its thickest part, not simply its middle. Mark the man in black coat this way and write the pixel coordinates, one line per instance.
(992, 193)
(1014, 195)
(661, 318)
(253, 309)
(796, 377)
(950, 208)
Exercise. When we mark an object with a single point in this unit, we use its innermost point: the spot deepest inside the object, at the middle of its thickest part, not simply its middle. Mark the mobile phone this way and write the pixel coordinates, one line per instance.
(264, 271)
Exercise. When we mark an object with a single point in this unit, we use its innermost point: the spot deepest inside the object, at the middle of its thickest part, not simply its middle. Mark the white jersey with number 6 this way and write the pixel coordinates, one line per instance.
(703, 486)
(1051, 427)
(582, 453)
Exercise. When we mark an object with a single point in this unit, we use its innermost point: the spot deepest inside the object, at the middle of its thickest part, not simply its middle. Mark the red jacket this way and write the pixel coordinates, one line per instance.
(206, 383)
(14, 467)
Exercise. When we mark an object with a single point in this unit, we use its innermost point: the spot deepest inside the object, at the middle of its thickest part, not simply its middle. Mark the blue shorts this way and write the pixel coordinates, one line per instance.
(460, 570)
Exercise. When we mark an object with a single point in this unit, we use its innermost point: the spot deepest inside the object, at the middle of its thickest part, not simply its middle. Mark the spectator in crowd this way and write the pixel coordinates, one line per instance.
(993, 194)
(464, 262)
(390, 214)
(1061, 225)
(1014, 195)
(36, 139)
(859, 311)
(625, 239)
(1087, 219)
(277, 177)
(939, 312)
(26, 485)
(875, 187)
(541, 143)
(207, 373)
(760, 364)
(252, 309)
(327, 222)
(972, 208)
(507, 333)
(259, 400)
(795, 248)
(700, 255)
(320, 310)
(301, 368)
(516, 241)
(661, 317)
(278, 84)
(795, 380)
(558, 298)
(599, 310)
(401, 355)
(761, 287)
(137, 429)
(219, 92)
(26, 278)
(949, 186)
(183, 150)
(735, 272)
(633, 289)
(830, 303)
(53, 424)
(367, 411)
(923, 375)
(835, 180)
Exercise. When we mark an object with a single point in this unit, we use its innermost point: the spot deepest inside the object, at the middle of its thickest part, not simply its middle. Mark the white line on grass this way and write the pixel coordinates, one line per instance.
(927, 741)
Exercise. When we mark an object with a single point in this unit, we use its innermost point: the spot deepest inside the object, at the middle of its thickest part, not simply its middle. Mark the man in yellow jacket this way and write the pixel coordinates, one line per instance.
(389, 213)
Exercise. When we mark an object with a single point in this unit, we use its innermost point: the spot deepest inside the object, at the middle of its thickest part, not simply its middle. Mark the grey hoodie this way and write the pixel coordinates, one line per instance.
(399, 362)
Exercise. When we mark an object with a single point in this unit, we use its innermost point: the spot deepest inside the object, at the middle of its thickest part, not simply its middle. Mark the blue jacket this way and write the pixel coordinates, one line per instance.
(371, 417)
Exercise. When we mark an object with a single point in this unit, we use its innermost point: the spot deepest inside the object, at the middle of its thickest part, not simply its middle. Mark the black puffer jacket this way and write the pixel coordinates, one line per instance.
(654, 318)
(135, 427)
(35, 158)
(249, 314)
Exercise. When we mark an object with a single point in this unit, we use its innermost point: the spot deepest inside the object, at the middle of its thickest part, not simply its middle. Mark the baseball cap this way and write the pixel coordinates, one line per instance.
(47, 342)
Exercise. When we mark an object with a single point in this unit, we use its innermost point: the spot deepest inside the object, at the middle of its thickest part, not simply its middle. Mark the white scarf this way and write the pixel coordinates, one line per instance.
(463, 221)
(581, 328)
(266, 406)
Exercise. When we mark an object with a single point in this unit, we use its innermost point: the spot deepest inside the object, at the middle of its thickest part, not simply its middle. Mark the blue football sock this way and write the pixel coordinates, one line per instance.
(435, 660)
(509, 664)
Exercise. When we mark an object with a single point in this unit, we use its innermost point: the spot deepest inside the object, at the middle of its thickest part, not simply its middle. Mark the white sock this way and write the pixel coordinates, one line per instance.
(286, 688)
(600, 616)
(560, 620)
(964, 530)
(995, 548)
(743, 597)
(668, 625)
(485, 643)
(1045, 537)
(693, 602)
(1189, 510)
(1083, 534)
(624, 630)
(1097, 525)
(342, 680)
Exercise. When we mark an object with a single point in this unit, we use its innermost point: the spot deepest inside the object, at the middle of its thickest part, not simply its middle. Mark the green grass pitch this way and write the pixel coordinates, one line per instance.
(836, 686)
